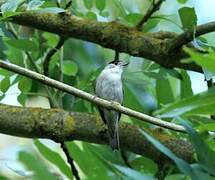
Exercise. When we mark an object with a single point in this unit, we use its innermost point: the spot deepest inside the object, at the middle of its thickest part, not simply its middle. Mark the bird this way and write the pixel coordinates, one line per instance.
(109, 87)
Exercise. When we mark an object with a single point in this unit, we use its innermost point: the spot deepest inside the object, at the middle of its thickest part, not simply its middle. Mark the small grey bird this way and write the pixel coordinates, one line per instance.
(109, 87)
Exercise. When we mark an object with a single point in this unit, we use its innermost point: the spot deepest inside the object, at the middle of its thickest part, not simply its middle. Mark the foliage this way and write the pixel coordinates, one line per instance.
(149, 88)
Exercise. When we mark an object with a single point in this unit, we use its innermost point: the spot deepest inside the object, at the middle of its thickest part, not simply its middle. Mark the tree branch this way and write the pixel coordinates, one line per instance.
(89, 97)
(154, 7)
(70, 160)
(60, 125)
(187, 36)
(50, 54)
(153, 46)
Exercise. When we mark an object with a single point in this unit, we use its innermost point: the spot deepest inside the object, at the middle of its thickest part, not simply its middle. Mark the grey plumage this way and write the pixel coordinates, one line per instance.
(109, 87)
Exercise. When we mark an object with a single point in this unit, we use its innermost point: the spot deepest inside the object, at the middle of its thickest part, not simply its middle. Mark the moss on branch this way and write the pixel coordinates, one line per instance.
(60, 125)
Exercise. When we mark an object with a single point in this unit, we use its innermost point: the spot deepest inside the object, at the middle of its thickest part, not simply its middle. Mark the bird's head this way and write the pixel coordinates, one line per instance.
(115, 66)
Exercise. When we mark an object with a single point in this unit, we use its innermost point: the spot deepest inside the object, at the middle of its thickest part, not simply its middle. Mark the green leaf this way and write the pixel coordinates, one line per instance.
(34, 4)
(133, 18)
(5, 84)
(88, 4)
(187, 106)
(164, 90)
(188, 17)
(182, 1)
(69, 68)
(91, 15)
(10, 5)
(120, 7)
(100, 4)
(185, 85)
(181, 164)
(54, 158)
(205, 155)
(90, 165)
(132, 174)
(155, 75)
(23, 44)
(144, 165)
(104, 13)
(22, 98)
(25, 84)
(54, 10)
(150, 24)
(207, 61)
(32, 163)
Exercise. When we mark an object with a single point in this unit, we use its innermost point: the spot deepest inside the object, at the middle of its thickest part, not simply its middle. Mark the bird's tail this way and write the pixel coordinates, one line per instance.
(114, 136)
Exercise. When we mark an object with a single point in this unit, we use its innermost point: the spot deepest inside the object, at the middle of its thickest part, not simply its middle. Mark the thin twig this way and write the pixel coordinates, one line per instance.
(125, 159)
(116, 57)
(12, 30)
(89, 97)
(50, 54)
(155, 6)
(210, 84)
(70, 160)
(187, 36)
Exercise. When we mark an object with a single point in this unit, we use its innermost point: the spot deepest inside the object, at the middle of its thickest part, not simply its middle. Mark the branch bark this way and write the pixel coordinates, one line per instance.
(60, 125)
(188, 36)
(113, 35)
(89, 97)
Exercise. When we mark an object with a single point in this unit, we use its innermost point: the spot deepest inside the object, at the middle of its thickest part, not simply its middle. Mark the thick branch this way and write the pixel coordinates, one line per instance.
(188, 35)
(60, 125)
(153, 46)
(89, 97)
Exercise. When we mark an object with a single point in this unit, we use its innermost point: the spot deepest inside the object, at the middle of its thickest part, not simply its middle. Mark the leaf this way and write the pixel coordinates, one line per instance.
(22, 98)
(25, 84)
(133, 18)
(132, 174)
(181, 164)
(182, 1)
(1, 32)
(10, 5)
(91, 15)
(187, 105)
(88, 4)
(164, 90)
(23, 44)
(69, 68)
(120, 7)
(54, 158)
(150, 24)
(5, 84)
(207, 61)
(155, 75)
(205, 155)
(100, 4)
(144, 165)
(184, 13)
(174, 73)
(35, 165)
(34, 4)
(54, 10)
(185, 85)
(90, 165)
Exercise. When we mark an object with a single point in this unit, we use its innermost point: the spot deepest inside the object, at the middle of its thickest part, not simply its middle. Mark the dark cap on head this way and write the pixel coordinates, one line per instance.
(116, 62)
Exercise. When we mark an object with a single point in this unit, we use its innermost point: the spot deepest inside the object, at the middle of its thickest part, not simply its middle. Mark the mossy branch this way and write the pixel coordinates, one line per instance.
(113, 35)
(60, 125)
